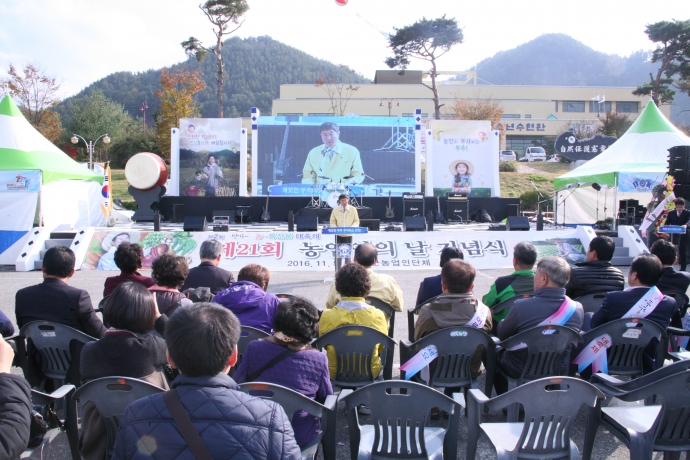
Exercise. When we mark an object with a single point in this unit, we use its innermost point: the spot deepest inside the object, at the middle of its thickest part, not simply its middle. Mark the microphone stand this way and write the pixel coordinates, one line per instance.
(563, 202)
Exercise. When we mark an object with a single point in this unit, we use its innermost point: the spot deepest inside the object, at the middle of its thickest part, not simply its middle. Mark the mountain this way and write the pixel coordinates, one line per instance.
(254, 70)
(557, 59)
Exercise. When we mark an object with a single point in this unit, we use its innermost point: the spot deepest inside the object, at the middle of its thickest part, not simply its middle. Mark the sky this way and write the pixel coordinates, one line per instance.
(82, 41)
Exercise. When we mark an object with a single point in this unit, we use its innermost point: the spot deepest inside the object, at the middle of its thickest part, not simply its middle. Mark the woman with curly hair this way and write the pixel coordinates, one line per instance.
(128, 259)
(305, 370)
(169, 273)
(353, 284)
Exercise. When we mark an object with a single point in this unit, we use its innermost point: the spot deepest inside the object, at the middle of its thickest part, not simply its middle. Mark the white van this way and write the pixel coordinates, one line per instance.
(535, 154)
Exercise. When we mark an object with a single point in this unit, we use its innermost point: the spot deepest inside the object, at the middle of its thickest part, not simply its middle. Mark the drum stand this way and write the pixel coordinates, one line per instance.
(315, 199)
(354, 202)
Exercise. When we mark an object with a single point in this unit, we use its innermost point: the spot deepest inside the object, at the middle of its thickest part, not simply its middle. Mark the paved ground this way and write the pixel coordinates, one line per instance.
(312, 286)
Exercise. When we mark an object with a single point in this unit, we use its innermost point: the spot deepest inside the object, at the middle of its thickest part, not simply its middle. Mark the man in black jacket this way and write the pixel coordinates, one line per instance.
(680, 216)
(671, 280)
(596, 274)
(15, 407)
(208, 273)
(55, 300)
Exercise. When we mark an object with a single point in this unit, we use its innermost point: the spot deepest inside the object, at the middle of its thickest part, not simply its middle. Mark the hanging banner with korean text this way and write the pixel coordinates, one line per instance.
(313, 251)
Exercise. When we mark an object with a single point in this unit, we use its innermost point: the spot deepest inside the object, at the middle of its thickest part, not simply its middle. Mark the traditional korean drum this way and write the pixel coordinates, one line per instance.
(146, 171)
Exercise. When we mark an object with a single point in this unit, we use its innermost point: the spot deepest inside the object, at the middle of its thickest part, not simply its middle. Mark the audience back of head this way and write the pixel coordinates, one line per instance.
(256, 274)
(458, 276)
(297, 318)
(525, 255)
(130, 307)
(603, 246)
(128, 257)
(366, 254)
(170, 270)
(648, 268)
(449, 253)
(210, 249)
(556, 268)
(665, 251)
(202, 338)
(352, 280)
(58, 262)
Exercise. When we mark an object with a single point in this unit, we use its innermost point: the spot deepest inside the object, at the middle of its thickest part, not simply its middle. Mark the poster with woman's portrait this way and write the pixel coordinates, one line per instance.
(462, 157)
(209, 156)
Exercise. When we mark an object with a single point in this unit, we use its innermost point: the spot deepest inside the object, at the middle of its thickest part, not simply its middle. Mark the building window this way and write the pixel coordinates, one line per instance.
(519, 144)
(289, 114)
(599, 107)
(555, 106)
(573, 106)
(510, 115)
(627, 107)
(528, 116)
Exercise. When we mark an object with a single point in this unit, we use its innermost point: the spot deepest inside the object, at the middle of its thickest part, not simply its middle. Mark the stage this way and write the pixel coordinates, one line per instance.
(372, 207)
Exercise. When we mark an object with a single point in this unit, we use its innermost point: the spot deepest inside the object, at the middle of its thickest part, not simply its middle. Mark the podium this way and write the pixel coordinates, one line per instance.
(343, 242)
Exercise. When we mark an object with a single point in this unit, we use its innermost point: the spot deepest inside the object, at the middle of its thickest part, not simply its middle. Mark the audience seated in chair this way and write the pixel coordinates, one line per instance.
(550, 279)
(383, 287)
(202, 344)
(169, 272)
(302, 368)
(430, 286)
(457, 306)
(208, 273)
(128, 259)
(124, 351)
(596, 274)
(55, 300)
(353, 284)
(645, 271)
(671, 280)
(521, 281)
(15, 407)
(248, 300)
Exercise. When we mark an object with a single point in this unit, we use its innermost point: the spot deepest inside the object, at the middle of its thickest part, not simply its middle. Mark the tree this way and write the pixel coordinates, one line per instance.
(221, 13)
(427, 40)
(177, 101)
(476, 108)
(92, 115)
(672, 54)
(613, 124)
(36, 95)
(339, 92)
(583, 129)
(133, 143)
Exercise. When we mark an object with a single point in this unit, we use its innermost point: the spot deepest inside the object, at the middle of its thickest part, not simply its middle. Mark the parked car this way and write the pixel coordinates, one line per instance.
(507, 155)
(535, 154)
(522, 159)
(554, 159)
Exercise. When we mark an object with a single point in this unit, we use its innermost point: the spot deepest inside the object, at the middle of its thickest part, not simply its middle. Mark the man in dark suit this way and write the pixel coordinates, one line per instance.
(596, 274)
(671, 280)
(54, 300)
(680, 216)
(431, 287)
(208, 273)
(645, 271)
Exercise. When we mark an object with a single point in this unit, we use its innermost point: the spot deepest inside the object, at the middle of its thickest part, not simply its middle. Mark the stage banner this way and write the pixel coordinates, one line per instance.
(365, 156)
(639, 182)
(313, 251)
(20, 181)
(210, 156)
(462, 158)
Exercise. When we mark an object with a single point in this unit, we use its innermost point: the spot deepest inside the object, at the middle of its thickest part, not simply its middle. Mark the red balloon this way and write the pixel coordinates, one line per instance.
(341, 2)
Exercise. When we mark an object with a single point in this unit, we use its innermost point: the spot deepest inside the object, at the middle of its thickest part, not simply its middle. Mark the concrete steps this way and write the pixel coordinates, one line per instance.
(621, 256)
(56, 239)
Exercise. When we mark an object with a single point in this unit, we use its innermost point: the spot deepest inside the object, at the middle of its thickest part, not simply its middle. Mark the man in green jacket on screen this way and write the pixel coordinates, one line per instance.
(521, 281)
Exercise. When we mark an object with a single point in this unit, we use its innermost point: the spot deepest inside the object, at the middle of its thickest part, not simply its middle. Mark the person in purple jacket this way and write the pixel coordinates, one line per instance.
(306, 370)
(248, 300)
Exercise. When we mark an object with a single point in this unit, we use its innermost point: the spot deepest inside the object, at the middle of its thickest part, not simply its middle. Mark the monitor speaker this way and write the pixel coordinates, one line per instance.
(374, 225)
(414, 224)
(516, 223)
(307, 223)
(177, 214)
(194, 224)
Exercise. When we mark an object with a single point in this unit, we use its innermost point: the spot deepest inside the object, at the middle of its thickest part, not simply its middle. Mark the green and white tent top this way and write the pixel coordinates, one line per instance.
(23, 148)
(642, 149)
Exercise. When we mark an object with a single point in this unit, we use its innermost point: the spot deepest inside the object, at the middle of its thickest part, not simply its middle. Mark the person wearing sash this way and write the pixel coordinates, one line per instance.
(672, 280)
(549, 305)
(430, 286)
(457, 306)
(680, 216)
